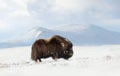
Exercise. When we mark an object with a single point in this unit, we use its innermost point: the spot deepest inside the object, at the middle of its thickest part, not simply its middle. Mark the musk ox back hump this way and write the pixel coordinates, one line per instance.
(55, 47)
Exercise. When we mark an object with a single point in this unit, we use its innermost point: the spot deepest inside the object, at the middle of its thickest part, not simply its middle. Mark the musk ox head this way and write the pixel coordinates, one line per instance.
(66, 45)
(55, 47)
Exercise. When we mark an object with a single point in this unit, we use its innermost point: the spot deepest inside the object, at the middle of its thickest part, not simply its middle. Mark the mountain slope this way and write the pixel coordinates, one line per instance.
(27, 38)
(90, 34)
(78, 34)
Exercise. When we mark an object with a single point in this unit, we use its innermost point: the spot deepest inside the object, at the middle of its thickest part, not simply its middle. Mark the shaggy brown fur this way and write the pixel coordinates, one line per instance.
(55, 47)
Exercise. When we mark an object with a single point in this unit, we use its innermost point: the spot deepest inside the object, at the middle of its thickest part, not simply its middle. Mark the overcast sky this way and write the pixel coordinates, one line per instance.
(19, 15)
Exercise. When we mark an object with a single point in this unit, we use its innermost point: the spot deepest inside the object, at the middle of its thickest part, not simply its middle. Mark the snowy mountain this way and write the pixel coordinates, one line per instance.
(78, 34)
(27, 38)
(90, 34)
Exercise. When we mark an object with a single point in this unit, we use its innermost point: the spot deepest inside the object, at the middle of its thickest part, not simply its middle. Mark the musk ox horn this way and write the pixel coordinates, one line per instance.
(63, 45)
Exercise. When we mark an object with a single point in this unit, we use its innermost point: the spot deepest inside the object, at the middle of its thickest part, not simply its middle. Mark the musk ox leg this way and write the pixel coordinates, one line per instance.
(55, 59)
(39, 60)
(55, 56)
(35, 59)
(66, 58)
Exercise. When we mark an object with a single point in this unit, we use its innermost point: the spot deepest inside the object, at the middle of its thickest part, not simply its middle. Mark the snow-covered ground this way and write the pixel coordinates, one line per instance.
(86, 61)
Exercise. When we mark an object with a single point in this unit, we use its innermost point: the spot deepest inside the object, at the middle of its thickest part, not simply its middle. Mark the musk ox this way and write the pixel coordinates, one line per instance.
(55, 47)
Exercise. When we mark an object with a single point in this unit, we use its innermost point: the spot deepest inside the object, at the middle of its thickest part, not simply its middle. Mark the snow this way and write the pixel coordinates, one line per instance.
(86, 61)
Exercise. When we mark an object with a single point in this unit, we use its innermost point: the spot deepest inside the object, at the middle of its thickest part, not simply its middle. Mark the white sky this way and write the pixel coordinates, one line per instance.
(22, 14)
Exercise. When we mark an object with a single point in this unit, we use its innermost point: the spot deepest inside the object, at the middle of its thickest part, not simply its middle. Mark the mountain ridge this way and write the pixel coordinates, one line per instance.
(78, 34)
